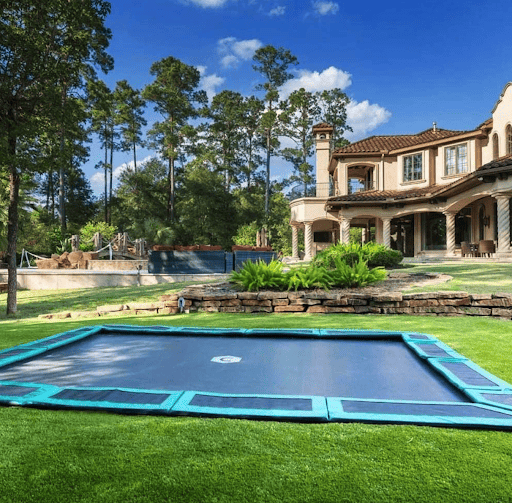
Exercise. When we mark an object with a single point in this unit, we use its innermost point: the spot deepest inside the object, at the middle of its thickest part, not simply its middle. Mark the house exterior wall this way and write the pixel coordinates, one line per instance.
(502, 116)
(388, 175)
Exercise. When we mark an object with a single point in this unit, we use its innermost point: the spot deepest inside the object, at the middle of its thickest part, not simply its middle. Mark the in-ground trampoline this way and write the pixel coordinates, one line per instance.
(302, 375)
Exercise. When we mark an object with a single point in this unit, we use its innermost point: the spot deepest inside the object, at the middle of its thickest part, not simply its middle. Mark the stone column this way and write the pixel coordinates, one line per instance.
(345, 230)
(295, 241)
(503, 224)
(308, 240)
(386, 231)
(450, 233)
(363, 236)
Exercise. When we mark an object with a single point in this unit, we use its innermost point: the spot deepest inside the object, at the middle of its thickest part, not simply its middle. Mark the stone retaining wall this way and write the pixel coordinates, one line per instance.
(422, 304)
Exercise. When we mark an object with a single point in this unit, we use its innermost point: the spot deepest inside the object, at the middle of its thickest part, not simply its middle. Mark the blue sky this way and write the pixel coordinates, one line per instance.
(404, 64)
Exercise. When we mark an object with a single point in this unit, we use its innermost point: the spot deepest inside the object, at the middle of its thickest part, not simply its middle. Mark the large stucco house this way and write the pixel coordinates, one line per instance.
(424, 193)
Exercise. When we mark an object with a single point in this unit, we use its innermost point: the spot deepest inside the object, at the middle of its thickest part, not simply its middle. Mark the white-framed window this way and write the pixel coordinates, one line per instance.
(456, 159)
(413, 167)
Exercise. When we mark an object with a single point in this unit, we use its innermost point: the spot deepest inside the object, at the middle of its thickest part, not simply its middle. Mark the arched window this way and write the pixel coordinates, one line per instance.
(508, 139)
(495, 146)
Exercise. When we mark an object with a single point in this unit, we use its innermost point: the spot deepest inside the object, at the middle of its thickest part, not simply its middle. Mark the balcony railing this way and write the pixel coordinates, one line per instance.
(325, 190)
(355, 186)
(320, 190)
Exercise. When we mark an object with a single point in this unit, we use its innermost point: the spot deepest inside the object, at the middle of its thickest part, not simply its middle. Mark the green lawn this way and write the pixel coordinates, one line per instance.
(71, 456)
(476, 277)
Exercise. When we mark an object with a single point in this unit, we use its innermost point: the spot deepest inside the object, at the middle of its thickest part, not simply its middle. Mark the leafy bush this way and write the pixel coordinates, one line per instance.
(90, 228)
(307, 277)
(254, 276)
(259, 275)
(246, 234)
(356, 275)
(376, 255)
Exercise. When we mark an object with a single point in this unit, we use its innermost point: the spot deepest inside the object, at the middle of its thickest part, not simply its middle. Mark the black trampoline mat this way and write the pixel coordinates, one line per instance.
(356, 368)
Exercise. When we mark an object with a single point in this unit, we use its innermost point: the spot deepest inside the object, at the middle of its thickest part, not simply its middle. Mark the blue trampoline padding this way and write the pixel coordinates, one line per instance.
(16, 390)
(245, 406)
(466, 375)
(433, 349)
(502, 398)
(415, 336)
(359, 334)
(409, 412)
(117, 399)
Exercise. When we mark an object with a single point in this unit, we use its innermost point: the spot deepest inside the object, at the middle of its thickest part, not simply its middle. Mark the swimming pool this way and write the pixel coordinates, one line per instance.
(303, 375)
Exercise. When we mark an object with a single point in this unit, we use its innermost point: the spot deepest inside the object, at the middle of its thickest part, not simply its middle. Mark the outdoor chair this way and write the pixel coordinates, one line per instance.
(465, 249)
(486, 247)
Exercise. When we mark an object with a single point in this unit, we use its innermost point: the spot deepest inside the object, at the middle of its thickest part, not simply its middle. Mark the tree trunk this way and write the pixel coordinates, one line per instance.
(111, 177)
(267, 178)
(134, 158)
(170, 201)
(12, 227)
(106, 177)
(62, 203)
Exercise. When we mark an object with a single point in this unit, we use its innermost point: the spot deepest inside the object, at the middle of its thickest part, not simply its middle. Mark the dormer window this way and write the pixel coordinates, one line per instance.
(456, 159)
(413, 167)
(495, 146)
(508, 139)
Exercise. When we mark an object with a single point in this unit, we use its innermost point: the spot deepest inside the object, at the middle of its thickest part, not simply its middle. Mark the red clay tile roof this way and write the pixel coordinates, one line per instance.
(486, 124)
(379, 143)
(382, 195)
(322, 125)
(501, 162)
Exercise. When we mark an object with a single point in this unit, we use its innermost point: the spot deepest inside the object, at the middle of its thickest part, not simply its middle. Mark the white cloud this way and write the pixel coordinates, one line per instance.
(97, 180)
(363, 118)
(210, 83)
(233, 51)
(324, 8)
(278, 11)
(330, 78)
(206, 4)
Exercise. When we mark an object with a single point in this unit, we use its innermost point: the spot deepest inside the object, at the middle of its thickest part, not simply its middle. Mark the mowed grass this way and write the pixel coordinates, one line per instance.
(472, 277)
(32, 303)
(67, 456)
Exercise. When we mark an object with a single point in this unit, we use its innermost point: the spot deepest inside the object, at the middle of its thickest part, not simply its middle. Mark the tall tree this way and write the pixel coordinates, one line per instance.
(300, 113)
(252, 140)
(333, 104)
(103, 114)
(175, 96)
(225, 133)
(43, 46)
(273, 65)
(141, 195)
(130, 117)
(206, 209)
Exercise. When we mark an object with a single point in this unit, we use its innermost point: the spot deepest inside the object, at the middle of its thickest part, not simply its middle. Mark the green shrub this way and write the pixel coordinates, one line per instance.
(376, 255)
(90, 228)
(357, 275)
(307, 277)
(254, 276)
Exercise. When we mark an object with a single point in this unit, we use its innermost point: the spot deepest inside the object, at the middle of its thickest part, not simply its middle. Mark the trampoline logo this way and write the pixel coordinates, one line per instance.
(226, 359)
